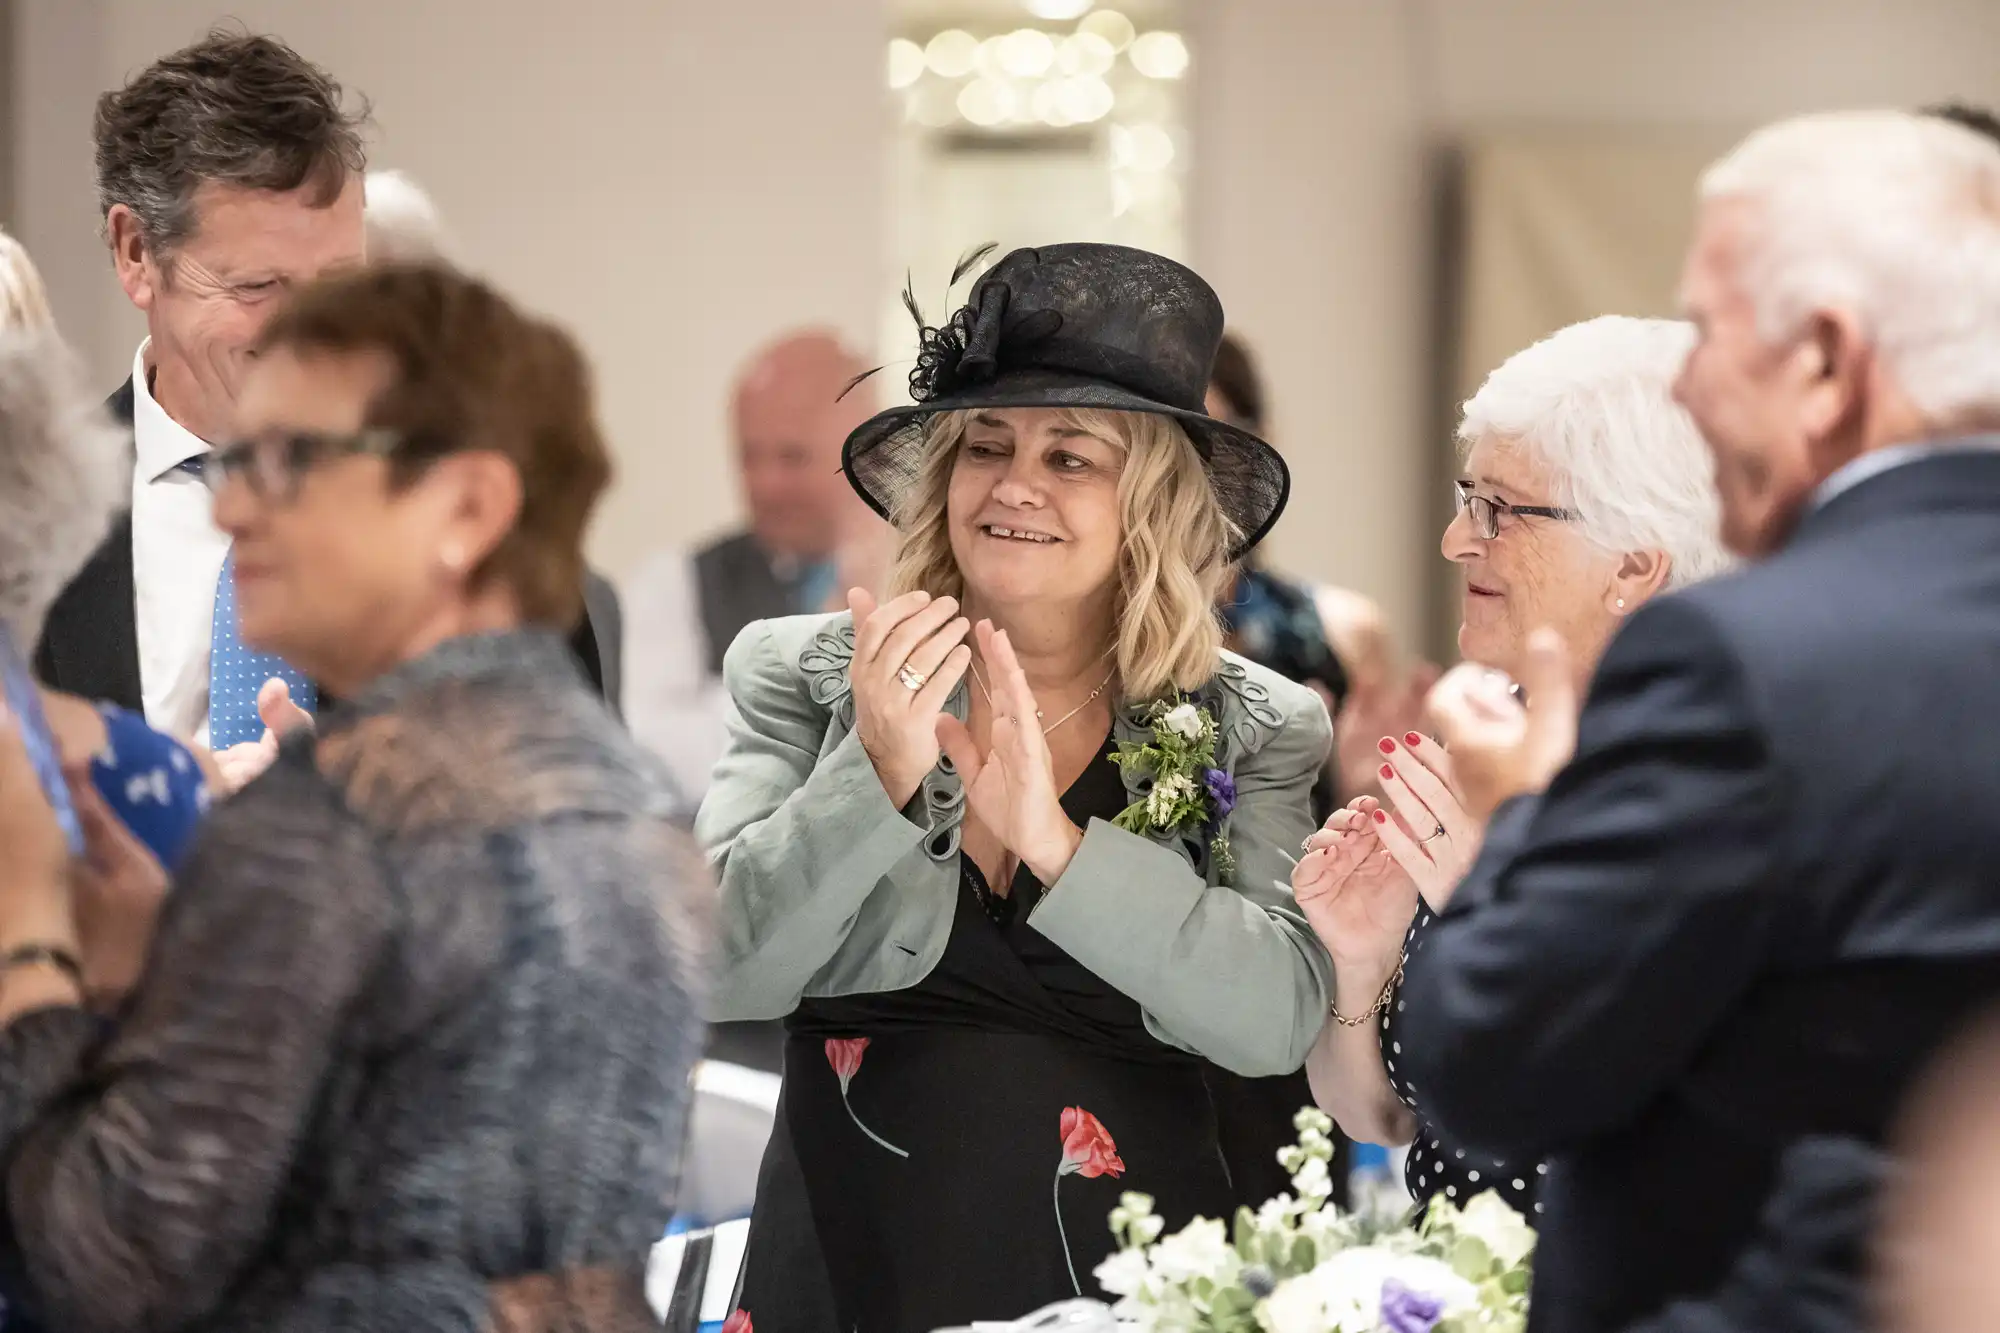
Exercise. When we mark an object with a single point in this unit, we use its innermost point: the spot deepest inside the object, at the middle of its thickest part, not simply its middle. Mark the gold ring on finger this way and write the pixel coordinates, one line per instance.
(912, 680)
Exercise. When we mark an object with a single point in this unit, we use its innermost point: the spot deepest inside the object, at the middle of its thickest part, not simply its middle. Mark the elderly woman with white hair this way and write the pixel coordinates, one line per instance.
(62, 478)
(1585, 492)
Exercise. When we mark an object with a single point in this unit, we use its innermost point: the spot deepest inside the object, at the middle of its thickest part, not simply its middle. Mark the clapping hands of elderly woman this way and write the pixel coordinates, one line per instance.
(1501, 747)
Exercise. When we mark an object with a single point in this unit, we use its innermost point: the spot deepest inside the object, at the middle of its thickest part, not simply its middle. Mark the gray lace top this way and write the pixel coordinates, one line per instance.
(419, 1017)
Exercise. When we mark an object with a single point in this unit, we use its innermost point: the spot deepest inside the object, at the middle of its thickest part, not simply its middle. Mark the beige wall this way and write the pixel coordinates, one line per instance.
(677, 179)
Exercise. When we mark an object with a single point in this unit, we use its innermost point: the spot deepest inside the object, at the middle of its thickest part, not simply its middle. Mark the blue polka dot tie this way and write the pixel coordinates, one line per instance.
(236, 673)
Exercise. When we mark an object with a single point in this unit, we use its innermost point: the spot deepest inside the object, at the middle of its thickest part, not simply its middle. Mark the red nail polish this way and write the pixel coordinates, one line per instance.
(1413, 740)
(1388, 772)
(1381, 818)
(1388, 746)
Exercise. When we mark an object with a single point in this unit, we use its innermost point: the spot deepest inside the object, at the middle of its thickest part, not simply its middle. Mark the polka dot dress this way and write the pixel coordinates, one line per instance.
(1437, 1165)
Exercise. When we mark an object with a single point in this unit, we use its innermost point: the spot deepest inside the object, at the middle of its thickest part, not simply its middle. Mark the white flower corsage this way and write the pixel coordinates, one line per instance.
(1189, 791)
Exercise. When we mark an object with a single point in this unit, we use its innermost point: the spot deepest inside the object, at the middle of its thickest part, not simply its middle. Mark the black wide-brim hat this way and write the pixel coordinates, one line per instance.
(1089, 326)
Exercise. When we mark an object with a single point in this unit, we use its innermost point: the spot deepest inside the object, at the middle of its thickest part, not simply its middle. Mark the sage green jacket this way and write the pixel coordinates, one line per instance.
(828, 889)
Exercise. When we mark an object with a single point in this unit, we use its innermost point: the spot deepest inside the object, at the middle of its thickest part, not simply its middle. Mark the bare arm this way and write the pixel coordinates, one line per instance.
(1345, 1068)
(1360, 904)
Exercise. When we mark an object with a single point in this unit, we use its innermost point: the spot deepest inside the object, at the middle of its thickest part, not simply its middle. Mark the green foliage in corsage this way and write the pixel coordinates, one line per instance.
(1189, 791)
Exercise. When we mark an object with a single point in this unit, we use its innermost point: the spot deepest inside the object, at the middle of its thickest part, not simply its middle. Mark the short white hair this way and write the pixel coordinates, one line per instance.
(404, 226)
(64, 473)
(1594, 405)
(1891, 216)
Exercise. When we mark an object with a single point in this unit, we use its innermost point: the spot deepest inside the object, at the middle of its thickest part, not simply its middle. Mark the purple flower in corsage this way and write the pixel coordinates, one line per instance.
(1221, 790)
(1406, 1311)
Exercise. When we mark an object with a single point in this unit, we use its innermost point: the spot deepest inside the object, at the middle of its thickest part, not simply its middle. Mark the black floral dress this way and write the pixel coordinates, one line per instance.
(1437, 1165)
(962, 1143)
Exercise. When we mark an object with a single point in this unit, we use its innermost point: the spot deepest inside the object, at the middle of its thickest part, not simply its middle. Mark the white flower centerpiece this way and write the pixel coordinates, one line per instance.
(1300, 1265)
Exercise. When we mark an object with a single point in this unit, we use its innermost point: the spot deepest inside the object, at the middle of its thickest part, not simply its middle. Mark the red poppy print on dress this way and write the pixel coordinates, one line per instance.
(1087, 1151)
(844, 1054)
(738, 1323)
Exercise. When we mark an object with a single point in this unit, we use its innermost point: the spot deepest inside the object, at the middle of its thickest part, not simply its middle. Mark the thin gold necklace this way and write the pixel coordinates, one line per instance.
(1089, 699)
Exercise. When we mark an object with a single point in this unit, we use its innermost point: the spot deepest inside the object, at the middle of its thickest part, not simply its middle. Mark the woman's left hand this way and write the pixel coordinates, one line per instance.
(1012, 789)
(1434, 840)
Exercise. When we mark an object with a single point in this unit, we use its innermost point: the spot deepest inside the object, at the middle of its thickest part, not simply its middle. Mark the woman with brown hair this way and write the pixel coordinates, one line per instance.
(412, 1042)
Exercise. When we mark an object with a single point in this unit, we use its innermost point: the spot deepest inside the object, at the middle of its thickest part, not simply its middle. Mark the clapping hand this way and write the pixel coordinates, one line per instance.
(1354, 895)
(1012, 788)
(909, 656)
(1430, 834)
(1501, 749)
(239, 764)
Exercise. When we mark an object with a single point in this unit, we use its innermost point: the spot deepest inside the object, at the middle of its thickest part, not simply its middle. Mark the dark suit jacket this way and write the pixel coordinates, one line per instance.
(90, 645)
(1753, 905)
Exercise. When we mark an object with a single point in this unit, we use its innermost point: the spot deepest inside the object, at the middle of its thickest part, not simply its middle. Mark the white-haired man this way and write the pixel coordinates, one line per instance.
(403, 224)
(1761, 891)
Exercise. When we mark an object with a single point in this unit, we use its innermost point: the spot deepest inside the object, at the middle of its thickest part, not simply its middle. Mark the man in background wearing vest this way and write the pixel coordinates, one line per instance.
(809, 539)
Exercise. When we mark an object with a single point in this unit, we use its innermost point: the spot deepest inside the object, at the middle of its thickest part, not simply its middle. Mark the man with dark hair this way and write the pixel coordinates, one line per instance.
(228, 174)
(1975, 118)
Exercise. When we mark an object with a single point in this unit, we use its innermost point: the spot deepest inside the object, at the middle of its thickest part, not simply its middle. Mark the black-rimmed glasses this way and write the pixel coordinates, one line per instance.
(1486, 511)
(273, 465)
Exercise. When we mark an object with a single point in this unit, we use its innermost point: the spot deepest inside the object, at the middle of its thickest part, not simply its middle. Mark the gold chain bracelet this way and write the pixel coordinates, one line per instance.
(1375, 1010)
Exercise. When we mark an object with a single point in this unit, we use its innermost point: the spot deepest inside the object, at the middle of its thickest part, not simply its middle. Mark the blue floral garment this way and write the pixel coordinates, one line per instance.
(152, 782)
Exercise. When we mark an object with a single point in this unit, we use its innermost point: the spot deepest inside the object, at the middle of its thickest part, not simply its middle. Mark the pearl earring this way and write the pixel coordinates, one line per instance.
(1621, 603)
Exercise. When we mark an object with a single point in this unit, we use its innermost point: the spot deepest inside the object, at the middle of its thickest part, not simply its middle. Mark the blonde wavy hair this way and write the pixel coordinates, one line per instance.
(24, 302)
(1174, 557)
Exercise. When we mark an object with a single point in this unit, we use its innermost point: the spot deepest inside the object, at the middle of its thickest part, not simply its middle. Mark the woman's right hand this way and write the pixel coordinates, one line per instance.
(1356, 898)
(898, 725)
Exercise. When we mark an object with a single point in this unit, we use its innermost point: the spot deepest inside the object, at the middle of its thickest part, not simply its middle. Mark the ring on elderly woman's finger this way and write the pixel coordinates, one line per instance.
(1436, 833)
(912, 680)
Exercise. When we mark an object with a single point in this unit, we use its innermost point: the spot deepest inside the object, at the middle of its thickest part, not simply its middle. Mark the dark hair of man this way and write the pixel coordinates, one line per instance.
(235, 108)
(1975, 118)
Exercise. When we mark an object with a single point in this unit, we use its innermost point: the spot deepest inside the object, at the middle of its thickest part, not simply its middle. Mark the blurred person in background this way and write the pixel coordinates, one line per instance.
(1328, 637)
(1586, 491)
(229, 174)
(1744, 899)
(808, 539)
(24, 301)
(404, 225)
(411, 1045)
(402, 222)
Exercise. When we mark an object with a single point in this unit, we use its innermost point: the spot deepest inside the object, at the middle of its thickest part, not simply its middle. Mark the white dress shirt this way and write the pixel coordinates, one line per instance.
(177, 555)
(675, 706)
